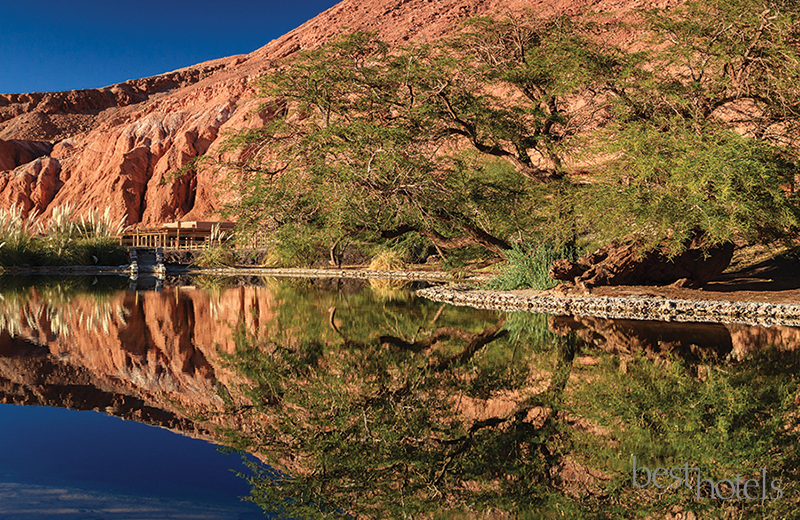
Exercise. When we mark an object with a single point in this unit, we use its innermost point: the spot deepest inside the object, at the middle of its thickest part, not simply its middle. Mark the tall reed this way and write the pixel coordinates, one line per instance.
(65, 240)
(17, 244)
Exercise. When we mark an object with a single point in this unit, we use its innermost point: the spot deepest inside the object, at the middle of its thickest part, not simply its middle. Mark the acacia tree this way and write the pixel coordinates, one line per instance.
(379, 144)
(547, 64)
(731, 60)
(703, 135)
(373, 143)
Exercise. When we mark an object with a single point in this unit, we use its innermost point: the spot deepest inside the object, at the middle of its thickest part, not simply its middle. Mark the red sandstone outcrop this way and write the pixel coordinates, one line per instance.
(119, 146)
(18, 152)
(32, 186)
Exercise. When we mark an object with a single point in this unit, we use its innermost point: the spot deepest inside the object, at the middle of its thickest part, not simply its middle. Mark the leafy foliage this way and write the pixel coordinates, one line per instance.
(530, 267)
(735, 60)
(670, 182)
(369, 142)
(702, 133)
(218, 253)
(694, 137)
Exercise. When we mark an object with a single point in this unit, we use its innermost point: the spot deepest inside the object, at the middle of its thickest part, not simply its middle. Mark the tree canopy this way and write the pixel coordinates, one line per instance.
(478, 139)
(702, 136)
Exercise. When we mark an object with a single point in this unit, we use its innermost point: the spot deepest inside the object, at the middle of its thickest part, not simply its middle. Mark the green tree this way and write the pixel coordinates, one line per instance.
(702, 132)
(693, 138)
(379, 143)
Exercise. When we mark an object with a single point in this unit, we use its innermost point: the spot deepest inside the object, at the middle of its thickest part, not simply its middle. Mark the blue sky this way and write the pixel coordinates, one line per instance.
(52, 45)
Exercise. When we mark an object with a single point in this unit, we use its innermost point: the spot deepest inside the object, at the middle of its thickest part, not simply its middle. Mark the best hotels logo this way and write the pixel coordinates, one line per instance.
(738, 487)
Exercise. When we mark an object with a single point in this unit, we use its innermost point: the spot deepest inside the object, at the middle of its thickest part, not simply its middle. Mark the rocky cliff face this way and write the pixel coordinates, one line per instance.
(119, 146)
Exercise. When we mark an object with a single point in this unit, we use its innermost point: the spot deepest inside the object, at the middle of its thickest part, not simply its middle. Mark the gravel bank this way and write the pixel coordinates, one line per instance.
(638, 308)
(427, 276)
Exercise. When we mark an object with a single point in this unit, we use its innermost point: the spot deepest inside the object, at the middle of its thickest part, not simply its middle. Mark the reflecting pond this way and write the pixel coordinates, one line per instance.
(356, 398)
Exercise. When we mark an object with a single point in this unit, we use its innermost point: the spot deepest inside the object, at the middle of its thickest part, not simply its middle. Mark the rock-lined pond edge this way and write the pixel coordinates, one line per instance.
(629, 307)
(422, 276)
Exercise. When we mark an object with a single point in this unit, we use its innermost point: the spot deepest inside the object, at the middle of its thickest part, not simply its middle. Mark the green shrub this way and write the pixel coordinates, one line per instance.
(100, 251)
(528, 267)
(296, 245)
(217, 256)
(65, 240)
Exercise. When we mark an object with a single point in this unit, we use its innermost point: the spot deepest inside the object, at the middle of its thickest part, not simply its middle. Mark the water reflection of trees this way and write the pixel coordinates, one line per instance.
(54, 306)
(386, 424)
(376, 404)
(380, 409)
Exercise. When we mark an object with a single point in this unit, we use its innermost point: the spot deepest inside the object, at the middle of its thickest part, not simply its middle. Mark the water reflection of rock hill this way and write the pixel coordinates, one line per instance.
(148, 356)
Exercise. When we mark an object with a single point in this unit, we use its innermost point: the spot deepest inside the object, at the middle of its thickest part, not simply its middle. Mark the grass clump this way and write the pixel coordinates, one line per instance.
(91, 239)
(218, 254)
(387, 260)
(528, 267)
(100, 251)
(215, 257)
(17, 246)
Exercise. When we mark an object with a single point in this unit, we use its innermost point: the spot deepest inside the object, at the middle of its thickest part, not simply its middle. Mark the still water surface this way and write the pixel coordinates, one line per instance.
(369, 402)
(59, 463)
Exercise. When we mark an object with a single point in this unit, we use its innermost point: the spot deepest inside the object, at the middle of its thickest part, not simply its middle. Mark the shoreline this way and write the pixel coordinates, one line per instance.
(412, 276)
(419, 276)
(655, 308)
(458, 292)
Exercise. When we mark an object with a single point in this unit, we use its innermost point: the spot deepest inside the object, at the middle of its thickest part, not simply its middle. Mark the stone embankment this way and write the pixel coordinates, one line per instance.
(421, 276)
(138, 266)
(638, 308)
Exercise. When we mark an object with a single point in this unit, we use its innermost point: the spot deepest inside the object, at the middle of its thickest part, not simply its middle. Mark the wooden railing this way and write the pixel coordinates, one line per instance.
(168, 241)
(188, 240)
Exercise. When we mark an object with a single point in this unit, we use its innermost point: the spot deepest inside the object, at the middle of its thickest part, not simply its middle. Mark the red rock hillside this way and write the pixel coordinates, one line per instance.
(117, 146)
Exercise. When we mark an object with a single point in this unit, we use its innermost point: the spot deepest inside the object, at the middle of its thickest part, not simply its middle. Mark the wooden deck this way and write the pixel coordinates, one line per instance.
(180, 235)
(152, 240)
